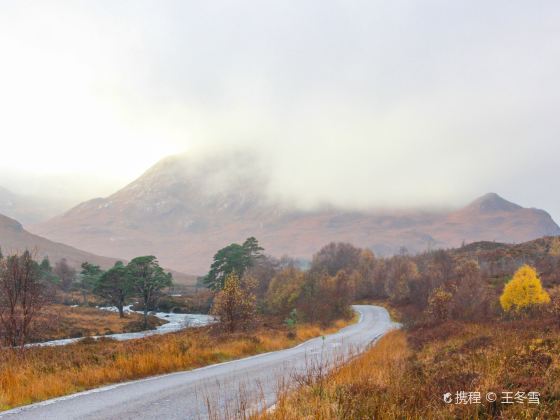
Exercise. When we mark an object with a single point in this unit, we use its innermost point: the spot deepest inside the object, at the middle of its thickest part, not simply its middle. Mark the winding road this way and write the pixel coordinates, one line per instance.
(218, 391)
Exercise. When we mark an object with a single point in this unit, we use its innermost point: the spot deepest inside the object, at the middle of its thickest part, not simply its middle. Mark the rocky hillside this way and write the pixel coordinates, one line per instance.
(183, 210)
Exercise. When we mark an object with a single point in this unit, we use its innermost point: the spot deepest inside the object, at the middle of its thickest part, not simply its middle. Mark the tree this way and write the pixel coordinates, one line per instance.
(379, 279)
(291, 323)
(234, 305)
(438, 304)
(232, 259)
(46, 271)
(324, 298)
(440, 268)
(148, 280)
(89, 276)
(523, 291)
(22, 295)
(366, 287)
(252, 249)
(263, 271)
(336, 256)
(310, 300)
(339, 292)
(402, 271)
(284, 291)
(65, 273)
(470, 297)
(114, 285)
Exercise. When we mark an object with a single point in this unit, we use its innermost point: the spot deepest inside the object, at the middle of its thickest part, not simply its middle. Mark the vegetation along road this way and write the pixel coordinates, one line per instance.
(222, 390)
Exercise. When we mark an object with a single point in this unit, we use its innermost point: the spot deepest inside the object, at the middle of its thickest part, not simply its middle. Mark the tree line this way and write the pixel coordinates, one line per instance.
(27, 286)
(433, 286)
(249, 284)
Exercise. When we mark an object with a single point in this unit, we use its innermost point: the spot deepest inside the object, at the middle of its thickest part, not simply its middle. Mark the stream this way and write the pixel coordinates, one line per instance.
(175, 322)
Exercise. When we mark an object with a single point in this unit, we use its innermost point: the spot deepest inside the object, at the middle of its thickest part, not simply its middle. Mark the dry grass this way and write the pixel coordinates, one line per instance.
(406, 374)
(62, 321)
(43, 373)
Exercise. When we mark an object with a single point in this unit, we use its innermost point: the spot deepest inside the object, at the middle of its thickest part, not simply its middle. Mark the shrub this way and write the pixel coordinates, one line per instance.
(438, 304)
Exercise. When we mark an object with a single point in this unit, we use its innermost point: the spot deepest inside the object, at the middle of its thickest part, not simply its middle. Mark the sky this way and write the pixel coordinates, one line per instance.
(356, 103)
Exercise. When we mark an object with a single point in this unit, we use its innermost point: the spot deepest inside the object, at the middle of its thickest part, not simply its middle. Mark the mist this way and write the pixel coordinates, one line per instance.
(357, 104)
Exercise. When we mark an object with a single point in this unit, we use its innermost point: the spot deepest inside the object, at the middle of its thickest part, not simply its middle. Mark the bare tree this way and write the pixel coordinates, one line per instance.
(22, 295)
(336, 256)
(65, 273)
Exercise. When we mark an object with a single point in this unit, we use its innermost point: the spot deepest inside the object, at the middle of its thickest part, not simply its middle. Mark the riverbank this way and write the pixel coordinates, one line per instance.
(160, 323)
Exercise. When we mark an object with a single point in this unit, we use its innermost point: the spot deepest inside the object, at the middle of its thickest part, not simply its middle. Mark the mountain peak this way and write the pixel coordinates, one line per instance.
(492, 202)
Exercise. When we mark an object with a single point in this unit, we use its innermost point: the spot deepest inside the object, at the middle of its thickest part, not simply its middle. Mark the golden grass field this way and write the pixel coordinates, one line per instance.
(41, 373)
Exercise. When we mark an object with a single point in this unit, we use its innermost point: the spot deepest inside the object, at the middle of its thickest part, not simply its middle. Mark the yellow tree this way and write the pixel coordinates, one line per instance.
(234, 305)
(523, 291)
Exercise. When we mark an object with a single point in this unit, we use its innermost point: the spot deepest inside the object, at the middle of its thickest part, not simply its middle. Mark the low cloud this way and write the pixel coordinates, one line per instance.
(358, 104)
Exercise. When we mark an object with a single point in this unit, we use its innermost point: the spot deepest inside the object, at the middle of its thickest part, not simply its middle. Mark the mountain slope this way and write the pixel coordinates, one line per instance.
(13, 237)
(183, 210)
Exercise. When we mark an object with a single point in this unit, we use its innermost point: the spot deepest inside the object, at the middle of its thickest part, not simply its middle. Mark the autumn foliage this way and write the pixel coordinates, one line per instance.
(523, 291)
(235, 304)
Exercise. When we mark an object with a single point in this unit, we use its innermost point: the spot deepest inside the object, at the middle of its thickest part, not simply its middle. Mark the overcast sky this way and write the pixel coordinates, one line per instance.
(354, 102)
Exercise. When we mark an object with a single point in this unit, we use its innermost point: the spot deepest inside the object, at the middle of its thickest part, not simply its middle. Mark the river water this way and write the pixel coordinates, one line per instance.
(175, 322)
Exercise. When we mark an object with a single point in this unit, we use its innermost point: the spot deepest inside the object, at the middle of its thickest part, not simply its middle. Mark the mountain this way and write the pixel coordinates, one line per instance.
(13, 237)
(26, 209)
(184, 209)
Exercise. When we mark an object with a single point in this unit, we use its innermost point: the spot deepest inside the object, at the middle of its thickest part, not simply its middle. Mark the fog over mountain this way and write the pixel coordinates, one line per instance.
(358, 104)
(183, 209)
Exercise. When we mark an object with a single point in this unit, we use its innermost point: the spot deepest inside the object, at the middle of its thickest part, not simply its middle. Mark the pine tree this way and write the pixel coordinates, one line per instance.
(233, 259)
(115, 286)
(148, 280)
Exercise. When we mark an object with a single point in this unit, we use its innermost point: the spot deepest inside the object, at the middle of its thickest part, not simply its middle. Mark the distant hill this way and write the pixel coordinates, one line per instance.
(27, 209)
(183, 210)
(500, 260)
(14, 238)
